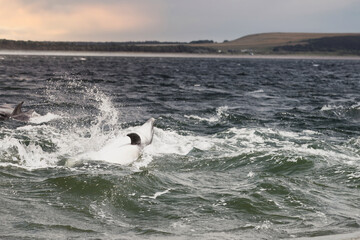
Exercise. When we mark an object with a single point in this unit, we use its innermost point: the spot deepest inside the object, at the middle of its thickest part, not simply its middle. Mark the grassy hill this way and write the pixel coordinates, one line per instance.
(289, 43)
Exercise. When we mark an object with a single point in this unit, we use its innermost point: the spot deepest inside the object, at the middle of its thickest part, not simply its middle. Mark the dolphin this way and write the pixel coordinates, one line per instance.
(143, 135)
(8, 112)
(120, 151)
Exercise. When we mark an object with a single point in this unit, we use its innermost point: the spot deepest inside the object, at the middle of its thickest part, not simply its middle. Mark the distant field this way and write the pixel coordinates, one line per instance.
(266, 42)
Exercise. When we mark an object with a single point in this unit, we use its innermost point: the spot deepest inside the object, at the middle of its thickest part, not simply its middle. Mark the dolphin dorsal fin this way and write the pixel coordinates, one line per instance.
(17, 109)
(135, 138)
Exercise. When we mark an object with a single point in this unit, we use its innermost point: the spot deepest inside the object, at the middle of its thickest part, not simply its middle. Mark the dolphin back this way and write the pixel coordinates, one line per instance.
(135, 138)
(17, 109)
(145, 132)
(8, 112)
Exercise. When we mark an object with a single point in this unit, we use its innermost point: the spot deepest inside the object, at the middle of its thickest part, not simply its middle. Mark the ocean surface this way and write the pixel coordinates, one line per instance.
(242, 148)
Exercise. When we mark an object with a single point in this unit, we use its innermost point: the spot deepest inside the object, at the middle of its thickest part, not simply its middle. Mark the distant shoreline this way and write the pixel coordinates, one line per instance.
(170, 55)
(283, 45)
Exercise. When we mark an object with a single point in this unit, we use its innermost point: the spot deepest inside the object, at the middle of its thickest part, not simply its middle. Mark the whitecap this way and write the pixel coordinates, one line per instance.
(157, 194)
(251, 174)
(330, 107)
(38, 119)
(221, 111)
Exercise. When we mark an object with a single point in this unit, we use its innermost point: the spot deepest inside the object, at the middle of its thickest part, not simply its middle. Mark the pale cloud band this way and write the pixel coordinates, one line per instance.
(97, 21)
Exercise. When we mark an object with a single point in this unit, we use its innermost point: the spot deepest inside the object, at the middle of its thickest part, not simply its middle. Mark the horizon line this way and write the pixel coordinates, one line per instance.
(181, 42)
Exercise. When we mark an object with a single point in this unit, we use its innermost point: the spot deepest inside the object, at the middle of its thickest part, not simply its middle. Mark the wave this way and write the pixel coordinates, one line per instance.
(47, 145)
(349, 111)
(38, 119)
(51, 139)
(220, 112)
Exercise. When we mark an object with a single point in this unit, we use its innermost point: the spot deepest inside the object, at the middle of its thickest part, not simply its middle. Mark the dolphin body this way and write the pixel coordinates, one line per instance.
(120, 152)
(7, 111)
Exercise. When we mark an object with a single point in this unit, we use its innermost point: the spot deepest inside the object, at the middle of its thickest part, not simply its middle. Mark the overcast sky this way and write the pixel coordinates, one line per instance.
(171, 20)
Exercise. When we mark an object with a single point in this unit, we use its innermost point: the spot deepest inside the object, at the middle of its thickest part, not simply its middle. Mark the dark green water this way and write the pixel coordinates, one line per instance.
(242, 149)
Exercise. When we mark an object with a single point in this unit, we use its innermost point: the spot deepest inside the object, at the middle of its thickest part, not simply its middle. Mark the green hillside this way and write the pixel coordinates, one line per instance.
(293, 43)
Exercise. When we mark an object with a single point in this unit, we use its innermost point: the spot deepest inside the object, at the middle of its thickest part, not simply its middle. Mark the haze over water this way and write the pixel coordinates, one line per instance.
(242, 149)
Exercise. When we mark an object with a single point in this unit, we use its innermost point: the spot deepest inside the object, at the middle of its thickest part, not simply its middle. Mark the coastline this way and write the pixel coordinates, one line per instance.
(169, 55)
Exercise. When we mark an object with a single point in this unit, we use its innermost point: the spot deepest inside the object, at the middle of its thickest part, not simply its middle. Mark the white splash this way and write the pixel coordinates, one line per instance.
(38, 119)
(29, 156)
(119, 150)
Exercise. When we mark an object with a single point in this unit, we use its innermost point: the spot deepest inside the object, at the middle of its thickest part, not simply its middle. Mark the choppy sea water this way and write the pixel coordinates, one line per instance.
(242, 149)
